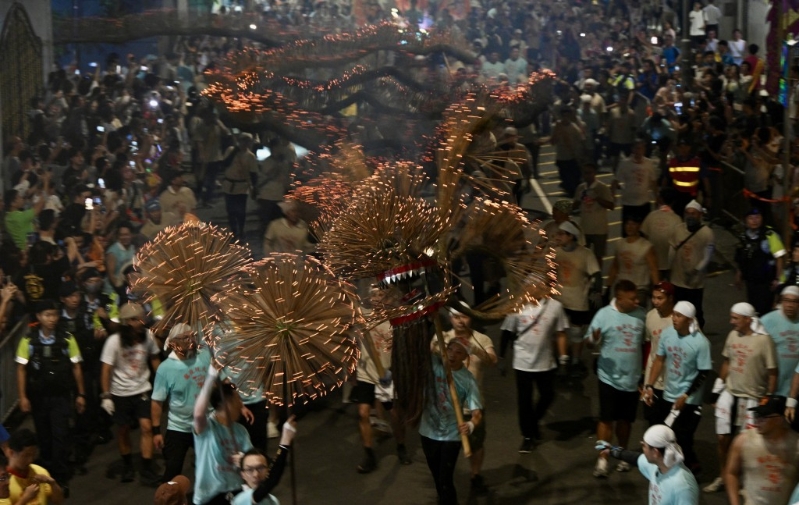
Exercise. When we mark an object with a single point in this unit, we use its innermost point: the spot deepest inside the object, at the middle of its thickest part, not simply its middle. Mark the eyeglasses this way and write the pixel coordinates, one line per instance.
(254, 469)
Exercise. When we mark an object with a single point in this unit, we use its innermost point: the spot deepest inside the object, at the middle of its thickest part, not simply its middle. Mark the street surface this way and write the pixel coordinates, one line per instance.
(557, 472)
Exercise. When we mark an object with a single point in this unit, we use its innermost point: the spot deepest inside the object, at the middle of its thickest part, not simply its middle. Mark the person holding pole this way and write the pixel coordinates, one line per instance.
(442, 427)
(481, 356)
(219, 441)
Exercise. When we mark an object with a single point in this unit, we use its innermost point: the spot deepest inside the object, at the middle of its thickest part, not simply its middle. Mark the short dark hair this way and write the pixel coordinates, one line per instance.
(21, 439)
(125, 224)
(9, 196)
(624, 286)
(46, 219)
(251, 452)
(221, 392)
(47, 304)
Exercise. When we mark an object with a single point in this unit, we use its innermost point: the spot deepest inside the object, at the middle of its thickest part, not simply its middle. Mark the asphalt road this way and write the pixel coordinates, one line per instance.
(557, 472)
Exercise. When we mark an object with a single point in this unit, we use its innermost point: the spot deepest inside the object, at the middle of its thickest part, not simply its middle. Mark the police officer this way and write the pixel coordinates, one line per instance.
(48, 366)
(91, 425)
(103, 307)
(759, 259)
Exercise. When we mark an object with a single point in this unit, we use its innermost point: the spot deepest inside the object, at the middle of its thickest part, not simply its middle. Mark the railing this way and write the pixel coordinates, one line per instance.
(734, 204)
(8, 369)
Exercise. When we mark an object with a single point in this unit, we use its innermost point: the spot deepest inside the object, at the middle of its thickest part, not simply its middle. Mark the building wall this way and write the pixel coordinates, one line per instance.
(757, 27)
(41, 19)
(40, 16)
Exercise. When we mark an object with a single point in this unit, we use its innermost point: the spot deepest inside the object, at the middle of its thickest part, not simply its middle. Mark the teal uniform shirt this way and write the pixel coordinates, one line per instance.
(438, 419)
(785, 335)
(684, 357)
(675, 487)
(215, 472)
(620, 356)
(181, 381)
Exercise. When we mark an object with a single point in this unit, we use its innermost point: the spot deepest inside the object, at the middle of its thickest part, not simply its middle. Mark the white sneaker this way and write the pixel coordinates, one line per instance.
(601, 468)
(380, 424)
(714, 486)
(271, 430)
(623, 467)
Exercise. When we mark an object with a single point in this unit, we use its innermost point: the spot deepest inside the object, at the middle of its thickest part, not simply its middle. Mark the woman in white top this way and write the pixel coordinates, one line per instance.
(669, 30)
(737, 47)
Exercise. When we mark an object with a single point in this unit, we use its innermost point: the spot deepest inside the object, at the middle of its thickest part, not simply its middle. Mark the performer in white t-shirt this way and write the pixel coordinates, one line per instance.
(125, 383)
(579, 278)
(535, 331)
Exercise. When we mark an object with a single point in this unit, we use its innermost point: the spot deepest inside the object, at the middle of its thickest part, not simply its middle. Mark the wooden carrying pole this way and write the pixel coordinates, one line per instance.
(453, 393)
(292, 451)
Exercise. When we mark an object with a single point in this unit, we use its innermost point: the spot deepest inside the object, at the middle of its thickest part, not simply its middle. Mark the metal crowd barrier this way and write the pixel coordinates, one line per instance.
(8, 369)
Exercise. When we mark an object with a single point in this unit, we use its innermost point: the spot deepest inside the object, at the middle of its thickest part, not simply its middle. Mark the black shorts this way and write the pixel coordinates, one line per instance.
(364, 392)
(129, 409)
(615, 405)
(578, 317)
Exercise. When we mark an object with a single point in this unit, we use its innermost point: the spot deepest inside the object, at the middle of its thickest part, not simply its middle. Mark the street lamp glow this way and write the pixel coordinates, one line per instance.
(253, 27)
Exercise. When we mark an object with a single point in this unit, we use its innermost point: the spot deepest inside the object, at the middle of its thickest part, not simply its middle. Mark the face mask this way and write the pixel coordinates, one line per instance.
(692, 223)
(94, 288)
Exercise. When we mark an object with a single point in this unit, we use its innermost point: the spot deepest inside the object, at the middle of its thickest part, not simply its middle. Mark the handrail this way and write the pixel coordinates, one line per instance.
(730, 165)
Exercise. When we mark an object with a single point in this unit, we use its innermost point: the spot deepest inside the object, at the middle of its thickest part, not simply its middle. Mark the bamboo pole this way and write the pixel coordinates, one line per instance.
(453, 393)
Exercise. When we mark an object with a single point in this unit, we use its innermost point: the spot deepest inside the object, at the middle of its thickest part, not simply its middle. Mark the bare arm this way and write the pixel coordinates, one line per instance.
(38, 206)
(562, 343)
(732, 474)
(111, 265)
(790, 412)
(77, 373)
(772, 381)
(156, 410)
(57, 496)
(654, 372)
(24, 403)
(105, 379)
(203, 400)
(725, 369)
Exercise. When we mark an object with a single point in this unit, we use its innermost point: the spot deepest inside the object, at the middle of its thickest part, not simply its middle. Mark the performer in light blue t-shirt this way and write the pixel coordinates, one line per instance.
(782, 324)
(441, 434)
(685, 354)
(219, 441)
(670, 482)
(618, 330)
(179, 379)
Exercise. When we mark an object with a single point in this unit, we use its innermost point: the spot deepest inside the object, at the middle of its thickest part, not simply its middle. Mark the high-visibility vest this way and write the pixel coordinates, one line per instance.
(685, 175)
